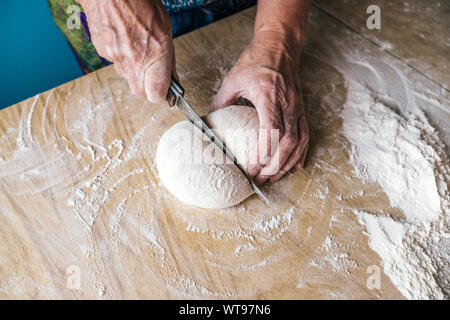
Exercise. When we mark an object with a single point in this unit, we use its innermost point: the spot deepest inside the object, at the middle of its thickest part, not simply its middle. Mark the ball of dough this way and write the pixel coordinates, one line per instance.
(196, 171)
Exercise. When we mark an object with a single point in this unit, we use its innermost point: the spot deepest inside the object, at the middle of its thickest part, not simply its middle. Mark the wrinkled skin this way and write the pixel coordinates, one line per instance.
(267, 75)
(136, 36)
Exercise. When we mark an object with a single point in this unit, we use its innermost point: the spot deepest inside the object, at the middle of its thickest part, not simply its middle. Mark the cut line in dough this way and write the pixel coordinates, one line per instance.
(196, 171)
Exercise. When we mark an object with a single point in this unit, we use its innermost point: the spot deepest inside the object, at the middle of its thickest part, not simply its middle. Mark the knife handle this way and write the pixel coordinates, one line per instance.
(175, 90)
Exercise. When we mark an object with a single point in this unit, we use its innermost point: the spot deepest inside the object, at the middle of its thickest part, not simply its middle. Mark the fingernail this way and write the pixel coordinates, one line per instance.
(259, 180)
(268, 171)
(154, 99)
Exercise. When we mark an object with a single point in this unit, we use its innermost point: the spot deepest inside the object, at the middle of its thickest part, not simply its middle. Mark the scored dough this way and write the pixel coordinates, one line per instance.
(187, 161)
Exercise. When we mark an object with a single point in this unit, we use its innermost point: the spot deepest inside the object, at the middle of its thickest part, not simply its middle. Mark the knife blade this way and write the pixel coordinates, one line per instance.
(175, 96)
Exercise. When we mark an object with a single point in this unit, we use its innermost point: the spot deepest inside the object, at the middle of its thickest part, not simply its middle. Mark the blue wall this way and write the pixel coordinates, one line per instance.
(34, 55)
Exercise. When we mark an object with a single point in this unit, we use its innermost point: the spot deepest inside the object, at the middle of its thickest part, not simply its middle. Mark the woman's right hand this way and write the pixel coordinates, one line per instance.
(137, 36)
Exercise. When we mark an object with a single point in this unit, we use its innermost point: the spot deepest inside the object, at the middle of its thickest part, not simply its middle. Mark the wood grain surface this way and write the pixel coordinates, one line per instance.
(416, 32)
(80, 193)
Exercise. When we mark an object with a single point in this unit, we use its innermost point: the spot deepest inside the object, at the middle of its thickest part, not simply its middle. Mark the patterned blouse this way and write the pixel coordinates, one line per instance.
(186, 15)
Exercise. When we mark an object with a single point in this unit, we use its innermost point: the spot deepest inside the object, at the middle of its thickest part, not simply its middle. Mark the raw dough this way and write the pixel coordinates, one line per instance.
(202, 180)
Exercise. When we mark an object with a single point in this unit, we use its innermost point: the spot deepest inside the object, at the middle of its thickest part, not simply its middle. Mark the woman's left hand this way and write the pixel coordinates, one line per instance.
(267, 74)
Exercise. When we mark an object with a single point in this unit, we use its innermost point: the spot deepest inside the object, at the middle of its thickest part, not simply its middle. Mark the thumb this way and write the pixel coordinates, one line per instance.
(157, 79)
(226, 95)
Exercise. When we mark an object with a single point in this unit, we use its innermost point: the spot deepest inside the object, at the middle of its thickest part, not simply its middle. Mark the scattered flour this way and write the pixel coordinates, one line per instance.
(334, 253)
(404, 154)
(322, 194)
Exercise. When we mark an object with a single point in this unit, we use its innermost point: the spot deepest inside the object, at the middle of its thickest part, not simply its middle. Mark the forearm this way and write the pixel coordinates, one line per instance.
(286, 17)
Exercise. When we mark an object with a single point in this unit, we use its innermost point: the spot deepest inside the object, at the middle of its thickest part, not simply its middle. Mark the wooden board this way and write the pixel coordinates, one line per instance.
(80, 193)
(416, 32)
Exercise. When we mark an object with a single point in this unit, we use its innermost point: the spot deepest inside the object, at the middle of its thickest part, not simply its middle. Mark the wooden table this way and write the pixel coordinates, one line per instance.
(84, 215)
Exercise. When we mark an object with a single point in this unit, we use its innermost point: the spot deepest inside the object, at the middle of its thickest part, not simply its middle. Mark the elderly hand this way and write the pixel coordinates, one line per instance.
(267, 74)
(137, 36)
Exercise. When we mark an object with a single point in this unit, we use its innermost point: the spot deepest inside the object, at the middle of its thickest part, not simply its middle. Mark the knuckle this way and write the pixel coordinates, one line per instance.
(273, 78)
(245, 57)
(102, 52)
(290, 140)
(266, 82)
(161, 46)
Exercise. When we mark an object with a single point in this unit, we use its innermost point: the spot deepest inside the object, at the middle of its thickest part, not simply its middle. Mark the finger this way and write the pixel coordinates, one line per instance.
(157, 72)
(103, 44)
(157, 79)
(278, 159)
(258, 146)
(136, 81)
(132, 82)
(286, 146)
(293, 159)
(262, 153)
(298, 155)
(270, 129)
(133, 67)
(226, 95)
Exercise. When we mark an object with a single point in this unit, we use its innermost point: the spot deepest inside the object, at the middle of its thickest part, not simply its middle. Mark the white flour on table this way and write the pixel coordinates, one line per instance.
(394, 145)
(404, 154)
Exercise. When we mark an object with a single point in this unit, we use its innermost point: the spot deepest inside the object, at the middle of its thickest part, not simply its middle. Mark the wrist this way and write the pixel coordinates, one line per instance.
(278, 40)
(295, 34)
(287, 19)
